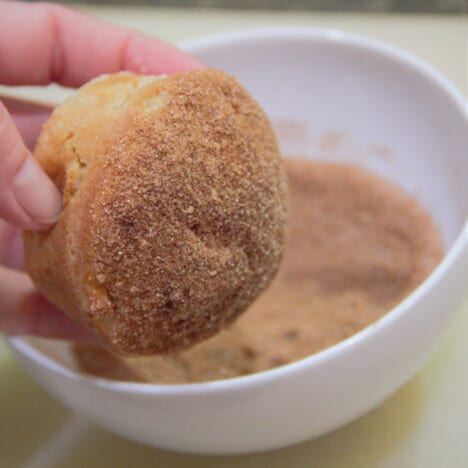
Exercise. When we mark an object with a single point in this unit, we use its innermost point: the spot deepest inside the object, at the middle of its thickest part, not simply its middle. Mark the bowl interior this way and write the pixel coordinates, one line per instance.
(339, 97)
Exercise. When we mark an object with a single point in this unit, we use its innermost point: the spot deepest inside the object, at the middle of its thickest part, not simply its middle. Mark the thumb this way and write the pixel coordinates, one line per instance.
(28, 198)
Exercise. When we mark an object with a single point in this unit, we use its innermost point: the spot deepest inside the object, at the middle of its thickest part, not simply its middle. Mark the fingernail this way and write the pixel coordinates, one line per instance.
(36, 193)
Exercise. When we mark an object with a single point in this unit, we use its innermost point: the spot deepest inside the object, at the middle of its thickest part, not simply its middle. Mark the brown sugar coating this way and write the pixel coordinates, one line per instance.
(174, 213)
(357, 246)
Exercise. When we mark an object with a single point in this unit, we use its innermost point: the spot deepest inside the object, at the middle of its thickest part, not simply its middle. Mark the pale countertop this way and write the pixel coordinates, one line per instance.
(424, 425)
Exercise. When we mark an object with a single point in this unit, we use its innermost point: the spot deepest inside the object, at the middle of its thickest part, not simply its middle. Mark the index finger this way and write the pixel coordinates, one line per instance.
(42, 43)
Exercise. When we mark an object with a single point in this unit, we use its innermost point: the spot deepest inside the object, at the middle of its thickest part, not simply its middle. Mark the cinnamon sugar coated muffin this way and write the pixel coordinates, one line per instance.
(174, 208)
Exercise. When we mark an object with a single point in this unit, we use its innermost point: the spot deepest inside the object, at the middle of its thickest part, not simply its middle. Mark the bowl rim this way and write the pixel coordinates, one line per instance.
(460, 244)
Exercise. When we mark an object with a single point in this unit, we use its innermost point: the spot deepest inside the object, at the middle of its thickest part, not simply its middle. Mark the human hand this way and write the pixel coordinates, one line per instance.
(41, 44)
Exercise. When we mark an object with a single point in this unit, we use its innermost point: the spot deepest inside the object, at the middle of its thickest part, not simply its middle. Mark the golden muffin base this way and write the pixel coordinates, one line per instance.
(174, 208)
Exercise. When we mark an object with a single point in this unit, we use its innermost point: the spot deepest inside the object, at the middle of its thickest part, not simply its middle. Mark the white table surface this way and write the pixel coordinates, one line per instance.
(424, 425)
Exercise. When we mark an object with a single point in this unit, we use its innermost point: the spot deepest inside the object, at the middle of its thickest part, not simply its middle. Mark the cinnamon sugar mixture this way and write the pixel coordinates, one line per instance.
(357, 246)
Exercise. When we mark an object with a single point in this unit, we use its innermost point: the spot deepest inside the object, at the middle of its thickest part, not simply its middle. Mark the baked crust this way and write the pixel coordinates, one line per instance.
(174, 212)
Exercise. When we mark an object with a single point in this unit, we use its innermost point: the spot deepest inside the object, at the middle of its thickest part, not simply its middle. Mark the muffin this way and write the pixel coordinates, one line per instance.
(174, 208)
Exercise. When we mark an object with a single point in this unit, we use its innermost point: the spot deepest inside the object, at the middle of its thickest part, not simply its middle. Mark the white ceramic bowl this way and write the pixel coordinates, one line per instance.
(341, 97)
